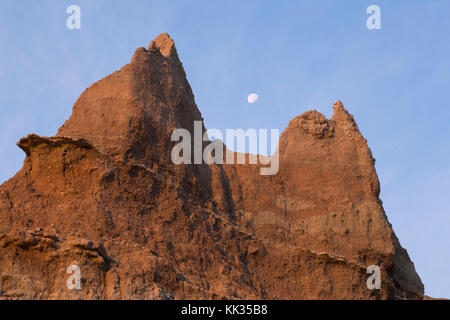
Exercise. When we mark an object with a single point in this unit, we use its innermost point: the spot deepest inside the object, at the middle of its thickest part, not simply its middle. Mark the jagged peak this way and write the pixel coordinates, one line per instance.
(312, 122)
(342, 118)
(340, 113)
(317, 124)
(125, 112)
(164, 44)
(338, 106)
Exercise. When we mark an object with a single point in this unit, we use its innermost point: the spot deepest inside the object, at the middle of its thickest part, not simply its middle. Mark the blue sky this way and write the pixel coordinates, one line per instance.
(297, 55)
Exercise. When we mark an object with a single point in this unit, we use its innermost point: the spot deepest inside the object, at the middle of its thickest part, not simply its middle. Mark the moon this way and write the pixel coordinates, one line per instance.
(252, 98)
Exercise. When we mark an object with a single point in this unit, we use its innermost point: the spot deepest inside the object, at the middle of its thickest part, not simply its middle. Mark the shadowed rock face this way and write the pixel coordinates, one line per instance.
(104, 194)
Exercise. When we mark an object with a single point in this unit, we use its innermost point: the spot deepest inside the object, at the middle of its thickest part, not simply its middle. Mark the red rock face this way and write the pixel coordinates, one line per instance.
(103, 194)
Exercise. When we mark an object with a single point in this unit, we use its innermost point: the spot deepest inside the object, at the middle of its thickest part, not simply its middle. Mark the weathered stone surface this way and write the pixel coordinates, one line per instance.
(103, 194)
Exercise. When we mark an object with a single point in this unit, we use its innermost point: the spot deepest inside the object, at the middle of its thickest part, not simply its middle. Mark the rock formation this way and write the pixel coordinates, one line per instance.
(104, 195)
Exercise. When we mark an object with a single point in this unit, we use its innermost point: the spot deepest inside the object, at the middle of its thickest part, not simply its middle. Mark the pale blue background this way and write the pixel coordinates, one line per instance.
(295, 54)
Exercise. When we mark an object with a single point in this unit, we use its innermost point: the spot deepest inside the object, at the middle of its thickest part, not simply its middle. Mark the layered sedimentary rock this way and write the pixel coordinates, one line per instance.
(104, 195)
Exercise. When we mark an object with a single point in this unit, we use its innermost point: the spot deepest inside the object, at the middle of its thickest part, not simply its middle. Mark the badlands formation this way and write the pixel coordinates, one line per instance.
(104, 195)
